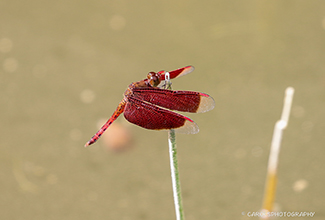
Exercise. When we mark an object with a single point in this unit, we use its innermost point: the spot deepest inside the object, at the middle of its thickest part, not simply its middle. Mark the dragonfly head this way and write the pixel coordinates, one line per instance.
(154, 78)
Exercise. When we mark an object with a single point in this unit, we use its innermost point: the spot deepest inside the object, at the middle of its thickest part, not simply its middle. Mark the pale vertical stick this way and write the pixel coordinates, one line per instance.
(174, 166)
(271, 180)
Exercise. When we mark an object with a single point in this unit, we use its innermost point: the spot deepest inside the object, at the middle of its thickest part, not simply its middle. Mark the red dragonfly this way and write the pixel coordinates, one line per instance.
(146, 104)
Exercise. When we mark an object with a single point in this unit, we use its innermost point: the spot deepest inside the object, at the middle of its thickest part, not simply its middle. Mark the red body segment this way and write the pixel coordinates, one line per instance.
(177, 73)
(115, 115)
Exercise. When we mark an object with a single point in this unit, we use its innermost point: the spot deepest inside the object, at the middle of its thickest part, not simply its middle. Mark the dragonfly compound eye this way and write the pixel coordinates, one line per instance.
(154, 79)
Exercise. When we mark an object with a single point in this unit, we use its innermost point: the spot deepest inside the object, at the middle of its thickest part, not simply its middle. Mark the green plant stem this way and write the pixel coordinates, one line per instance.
(174, 167)
(175, 175)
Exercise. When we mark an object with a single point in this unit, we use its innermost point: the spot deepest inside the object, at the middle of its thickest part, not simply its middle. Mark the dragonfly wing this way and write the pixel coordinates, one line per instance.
(185, 101)
(149, 116)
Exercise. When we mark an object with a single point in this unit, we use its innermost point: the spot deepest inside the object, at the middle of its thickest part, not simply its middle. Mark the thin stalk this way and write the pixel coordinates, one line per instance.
(175, 175)
(174, 167)
(271, 179)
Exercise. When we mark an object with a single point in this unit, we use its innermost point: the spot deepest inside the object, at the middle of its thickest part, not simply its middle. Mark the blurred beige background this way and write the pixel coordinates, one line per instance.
(64, 66)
